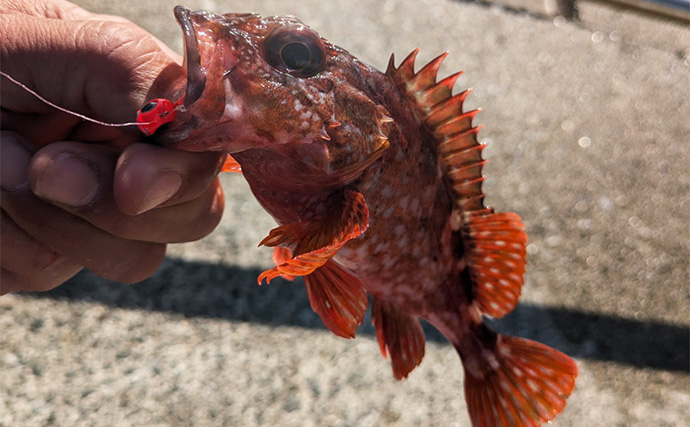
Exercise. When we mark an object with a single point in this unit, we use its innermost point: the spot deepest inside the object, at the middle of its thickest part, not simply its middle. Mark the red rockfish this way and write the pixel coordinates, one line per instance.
(375, 180)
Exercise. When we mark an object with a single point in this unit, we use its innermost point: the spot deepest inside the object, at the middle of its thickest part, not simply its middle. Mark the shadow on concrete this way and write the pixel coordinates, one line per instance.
(196, 289)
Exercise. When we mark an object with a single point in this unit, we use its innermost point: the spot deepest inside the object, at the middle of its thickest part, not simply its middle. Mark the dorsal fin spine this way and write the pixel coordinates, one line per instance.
(442, 112)
(441, 91)
(426, 77)
(447, 108)
(494, 243)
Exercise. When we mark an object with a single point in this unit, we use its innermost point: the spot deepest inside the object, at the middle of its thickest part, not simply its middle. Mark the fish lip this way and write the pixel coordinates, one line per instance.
(196, 77)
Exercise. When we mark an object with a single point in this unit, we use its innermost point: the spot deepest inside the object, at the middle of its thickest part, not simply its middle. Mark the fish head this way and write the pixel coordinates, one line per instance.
(274, 84)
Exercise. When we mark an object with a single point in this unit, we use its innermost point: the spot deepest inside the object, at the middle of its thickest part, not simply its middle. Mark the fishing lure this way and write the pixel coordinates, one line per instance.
(150, 117)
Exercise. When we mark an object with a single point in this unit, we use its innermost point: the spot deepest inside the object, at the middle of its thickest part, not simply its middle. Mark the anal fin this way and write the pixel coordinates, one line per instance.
(525, 384)
(399, 335)
(338, 297)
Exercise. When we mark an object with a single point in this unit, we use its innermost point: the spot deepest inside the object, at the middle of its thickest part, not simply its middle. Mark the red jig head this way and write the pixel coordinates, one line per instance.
(156, 113)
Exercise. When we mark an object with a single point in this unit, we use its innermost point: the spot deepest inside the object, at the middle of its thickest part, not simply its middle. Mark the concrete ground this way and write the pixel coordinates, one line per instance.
(588, 126)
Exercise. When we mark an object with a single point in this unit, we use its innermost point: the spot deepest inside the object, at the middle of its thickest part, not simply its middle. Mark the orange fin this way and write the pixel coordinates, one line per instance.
(399, 335)
(231, 165)
(525, 384)
(459, 152)
(338, 297)
(280, 256)
(315, 240)
(494, 243)
(495, 253)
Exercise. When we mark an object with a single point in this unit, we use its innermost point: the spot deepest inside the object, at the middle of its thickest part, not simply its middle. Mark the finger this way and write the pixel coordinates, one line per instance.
(103, 69)
(148, 176)
(27, 264)
(61, 9)
(84, 244)
(106, 255)
(53, 9)
(79, 178)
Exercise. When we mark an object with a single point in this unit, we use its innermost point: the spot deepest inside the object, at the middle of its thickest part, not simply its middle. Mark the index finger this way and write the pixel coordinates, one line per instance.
(103, 69)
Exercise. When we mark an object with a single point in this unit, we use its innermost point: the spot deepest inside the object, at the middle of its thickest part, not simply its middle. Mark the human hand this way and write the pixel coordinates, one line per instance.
(76, 194)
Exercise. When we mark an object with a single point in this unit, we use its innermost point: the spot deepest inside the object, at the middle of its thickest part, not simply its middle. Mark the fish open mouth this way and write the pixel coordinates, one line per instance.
(196, 77)
(208, 59)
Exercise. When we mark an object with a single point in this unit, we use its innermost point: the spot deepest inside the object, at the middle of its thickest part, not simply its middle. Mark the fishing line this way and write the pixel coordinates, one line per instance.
(153, 115)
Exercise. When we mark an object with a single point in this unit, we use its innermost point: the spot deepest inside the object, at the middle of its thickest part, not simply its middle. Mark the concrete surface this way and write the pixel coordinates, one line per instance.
(588, 130)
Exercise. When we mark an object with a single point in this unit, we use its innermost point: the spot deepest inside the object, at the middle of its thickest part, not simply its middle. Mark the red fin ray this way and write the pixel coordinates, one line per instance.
(458, 124)
(313, 242)
(338, 297)
(495, 253)
(343, 220)
(426, 77)
(399, 335)
(447, 109)
(300, 265)
(281, 256)
(440, 91)
(469, 188)
(463, 172)
(406, 69)
(528, 384)
(231, 165)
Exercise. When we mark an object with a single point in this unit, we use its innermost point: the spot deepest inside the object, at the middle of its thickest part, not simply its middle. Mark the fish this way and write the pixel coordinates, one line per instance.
(375, 181)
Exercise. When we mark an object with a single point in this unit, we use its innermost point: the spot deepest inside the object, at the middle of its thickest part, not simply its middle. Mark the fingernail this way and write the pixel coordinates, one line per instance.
(14, 164)
(165, 185)
(67, 179)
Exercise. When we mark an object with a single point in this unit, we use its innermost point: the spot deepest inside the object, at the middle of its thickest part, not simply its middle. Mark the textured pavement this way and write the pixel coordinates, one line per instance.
(588, 130)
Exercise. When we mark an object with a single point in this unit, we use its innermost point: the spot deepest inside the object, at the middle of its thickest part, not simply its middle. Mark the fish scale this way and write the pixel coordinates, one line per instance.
(375, 180)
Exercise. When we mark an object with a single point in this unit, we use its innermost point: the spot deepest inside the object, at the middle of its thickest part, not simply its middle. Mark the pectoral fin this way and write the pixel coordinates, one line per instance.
(314, 241)
(280, 256)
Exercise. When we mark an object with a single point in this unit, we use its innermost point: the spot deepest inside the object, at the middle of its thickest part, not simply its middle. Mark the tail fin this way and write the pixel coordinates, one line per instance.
(520, 383)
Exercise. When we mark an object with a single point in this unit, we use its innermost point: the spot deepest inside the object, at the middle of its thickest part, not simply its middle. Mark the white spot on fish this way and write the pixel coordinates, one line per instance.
(387, 192)
(381, 247)
(399, 230)
(414, 206)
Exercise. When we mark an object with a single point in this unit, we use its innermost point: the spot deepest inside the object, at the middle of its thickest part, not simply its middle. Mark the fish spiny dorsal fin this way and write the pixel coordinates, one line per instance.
(459, 152)
(494, 243)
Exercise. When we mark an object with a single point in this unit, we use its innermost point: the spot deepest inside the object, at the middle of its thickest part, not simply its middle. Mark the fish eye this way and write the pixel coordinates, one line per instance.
(297, 51)
(295, 55)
